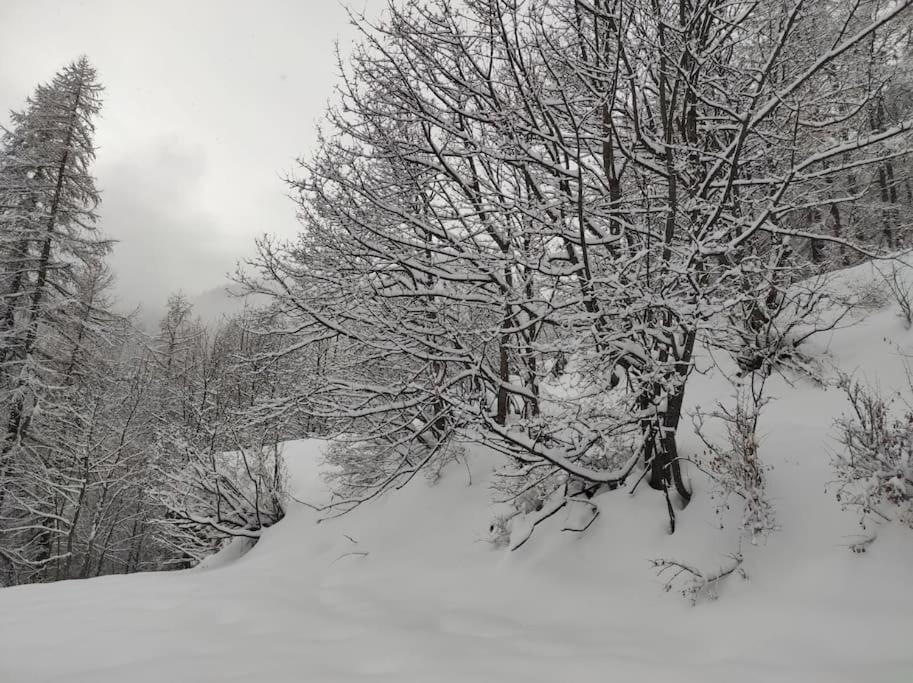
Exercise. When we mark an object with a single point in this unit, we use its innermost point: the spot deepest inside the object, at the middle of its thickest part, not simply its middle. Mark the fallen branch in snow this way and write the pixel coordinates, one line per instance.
(861, 545)
(594, 509)
(700, 583)
(468, 470)
(316, 508)
(557, 503)
(361, 553)
(551, 508)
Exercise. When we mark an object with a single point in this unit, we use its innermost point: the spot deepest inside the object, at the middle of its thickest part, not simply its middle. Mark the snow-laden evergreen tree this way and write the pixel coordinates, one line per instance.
(49, 241)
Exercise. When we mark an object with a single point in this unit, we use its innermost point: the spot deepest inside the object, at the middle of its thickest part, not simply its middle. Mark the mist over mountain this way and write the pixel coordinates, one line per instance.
(210, 306)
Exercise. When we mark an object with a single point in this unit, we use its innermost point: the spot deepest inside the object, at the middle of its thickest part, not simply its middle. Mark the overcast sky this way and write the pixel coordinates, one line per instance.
(207, 104)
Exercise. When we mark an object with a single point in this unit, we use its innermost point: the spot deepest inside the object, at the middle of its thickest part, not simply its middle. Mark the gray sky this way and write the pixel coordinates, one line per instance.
(207, 105)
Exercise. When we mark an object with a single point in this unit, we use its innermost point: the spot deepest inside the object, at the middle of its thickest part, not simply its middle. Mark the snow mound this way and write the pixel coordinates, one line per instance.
(409, 588)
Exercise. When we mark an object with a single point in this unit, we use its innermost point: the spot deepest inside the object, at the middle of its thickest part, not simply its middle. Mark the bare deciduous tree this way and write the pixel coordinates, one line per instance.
(524, 219)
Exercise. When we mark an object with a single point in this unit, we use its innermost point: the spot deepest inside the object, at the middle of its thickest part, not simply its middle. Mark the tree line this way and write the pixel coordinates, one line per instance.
(121, 451)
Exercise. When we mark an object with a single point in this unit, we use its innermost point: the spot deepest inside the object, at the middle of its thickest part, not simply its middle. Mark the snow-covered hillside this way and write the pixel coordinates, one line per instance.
(408, 588)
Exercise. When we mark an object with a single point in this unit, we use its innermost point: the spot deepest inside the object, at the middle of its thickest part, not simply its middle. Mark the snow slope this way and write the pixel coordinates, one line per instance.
(409, 589)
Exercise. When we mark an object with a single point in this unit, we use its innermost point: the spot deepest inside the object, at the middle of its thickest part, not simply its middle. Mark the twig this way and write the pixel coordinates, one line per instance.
(640, 479)
(700, 582)
(361, 553)
(316, 508)
(468, 470)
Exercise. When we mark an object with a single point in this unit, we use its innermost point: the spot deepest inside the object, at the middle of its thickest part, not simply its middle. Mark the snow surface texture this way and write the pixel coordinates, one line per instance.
(409, 588)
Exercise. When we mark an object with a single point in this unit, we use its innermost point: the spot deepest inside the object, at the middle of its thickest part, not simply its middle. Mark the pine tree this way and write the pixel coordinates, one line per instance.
(48, 240)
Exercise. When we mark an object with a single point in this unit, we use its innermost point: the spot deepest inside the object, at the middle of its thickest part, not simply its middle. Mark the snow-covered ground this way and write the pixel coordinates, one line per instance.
(409, 589)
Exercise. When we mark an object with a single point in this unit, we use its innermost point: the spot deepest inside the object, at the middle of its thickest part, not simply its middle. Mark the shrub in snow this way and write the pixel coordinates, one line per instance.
(736, 467)
(361, 467)
(213, 496)
(875, 469)
(737, 471)
(870, 295)
(900, 291)
(766, 332)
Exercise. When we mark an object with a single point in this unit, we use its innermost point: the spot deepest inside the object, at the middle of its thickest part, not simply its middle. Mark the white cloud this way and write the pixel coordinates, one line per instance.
(207, 105)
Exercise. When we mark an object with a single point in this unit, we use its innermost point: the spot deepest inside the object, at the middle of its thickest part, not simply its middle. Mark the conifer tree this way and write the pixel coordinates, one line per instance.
(48, 238)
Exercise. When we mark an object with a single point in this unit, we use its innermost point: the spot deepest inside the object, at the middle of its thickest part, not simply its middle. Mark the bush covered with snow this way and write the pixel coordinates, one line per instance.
(735, 466)
(875, 468)
(217, 496)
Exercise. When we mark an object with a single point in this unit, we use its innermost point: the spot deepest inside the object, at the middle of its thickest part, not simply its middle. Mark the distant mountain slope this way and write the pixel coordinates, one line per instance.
(217, 303)
(211, 306)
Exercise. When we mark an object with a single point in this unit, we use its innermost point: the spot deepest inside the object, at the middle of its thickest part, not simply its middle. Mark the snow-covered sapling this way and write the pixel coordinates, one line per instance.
(875, 466)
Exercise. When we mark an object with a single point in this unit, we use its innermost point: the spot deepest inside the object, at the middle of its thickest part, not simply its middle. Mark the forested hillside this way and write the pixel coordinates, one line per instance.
(111, 455)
